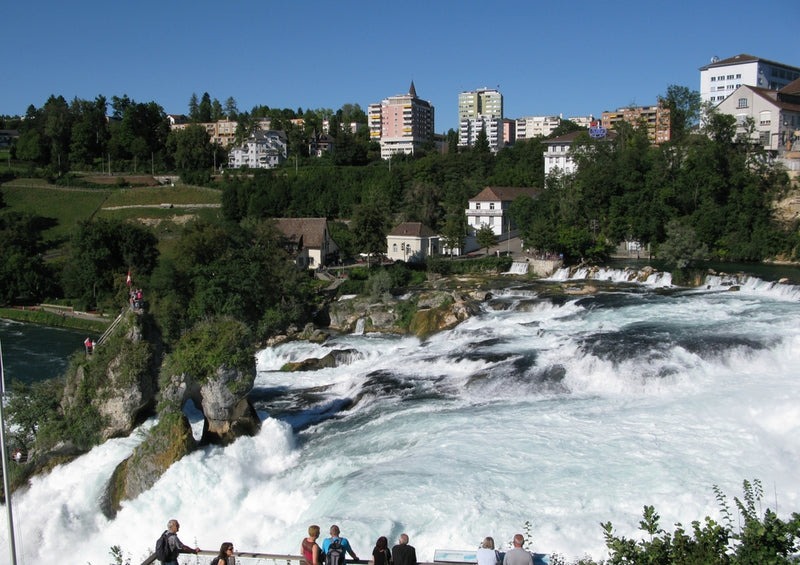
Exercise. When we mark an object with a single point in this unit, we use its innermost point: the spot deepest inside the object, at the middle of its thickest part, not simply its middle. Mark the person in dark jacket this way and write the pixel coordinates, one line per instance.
(404, 554)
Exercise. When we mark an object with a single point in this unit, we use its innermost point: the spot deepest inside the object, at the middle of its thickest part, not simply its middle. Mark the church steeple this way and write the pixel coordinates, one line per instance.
(412, 91)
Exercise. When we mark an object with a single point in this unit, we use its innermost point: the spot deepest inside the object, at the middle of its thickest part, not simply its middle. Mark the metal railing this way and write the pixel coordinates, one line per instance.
(253, 558)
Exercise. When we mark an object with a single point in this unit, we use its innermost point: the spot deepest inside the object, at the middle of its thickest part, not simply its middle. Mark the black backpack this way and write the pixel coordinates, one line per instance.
(163, 552)
(335, 554)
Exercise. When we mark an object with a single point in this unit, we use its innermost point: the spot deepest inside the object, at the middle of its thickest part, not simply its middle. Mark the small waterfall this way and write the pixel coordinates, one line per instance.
(518, 268)
(359, 327)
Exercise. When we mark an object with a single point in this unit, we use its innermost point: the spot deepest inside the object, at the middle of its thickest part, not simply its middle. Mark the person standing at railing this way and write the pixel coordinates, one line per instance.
(225, 555)
(343, 543)
(310, 549)
(404, 554)
(517, 555)
(381, 554)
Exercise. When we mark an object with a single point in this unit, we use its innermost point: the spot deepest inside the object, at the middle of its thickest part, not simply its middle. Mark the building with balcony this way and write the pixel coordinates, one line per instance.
(401, 124)
(481, 109)
(775, 115)
(720, 78)
(655, 118)
(490, 207)
(536, 126)
(262, 150)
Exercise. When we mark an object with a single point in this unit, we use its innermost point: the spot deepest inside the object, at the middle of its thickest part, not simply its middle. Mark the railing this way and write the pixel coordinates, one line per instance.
(251, 558)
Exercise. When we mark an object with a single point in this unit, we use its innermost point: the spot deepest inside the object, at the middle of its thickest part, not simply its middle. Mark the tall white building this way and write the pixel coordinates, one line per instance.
(720, 78)
(263, 150)
(480, 109)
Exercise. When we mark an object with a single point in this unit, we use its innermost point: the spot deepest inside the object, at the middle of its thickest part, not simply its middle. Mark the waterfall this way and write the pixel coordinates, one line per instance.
(518, 268)
(359, 327)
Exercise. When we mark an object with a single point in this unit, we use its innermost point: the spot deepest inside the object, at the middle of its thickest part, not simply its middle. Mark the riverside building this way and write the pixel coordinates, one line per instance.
(720, 78)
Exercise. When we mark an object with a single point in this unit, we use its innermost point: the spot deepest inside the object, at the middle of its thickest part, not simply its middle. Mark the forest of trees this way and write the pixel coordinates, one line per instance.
(706, 194)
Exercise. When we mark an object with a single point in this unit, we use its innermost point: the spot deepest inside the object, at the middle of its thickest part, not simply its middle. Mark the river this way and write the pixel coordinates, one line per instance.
(563, 412)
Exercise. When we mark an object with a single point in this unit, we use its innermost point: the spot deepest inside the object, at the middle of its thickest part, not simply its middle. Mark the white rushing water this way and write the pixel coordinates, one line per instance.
(566, 413)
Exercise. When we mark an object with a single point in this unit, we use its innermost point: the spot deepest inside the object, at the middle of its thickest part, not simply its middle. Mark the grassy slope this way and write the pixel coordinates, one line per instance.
(71, 205)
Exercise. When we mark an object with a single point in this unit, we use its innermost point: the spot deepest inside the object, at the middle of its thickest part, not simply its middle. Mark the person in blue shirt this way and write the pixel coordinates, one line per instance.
(343, 541)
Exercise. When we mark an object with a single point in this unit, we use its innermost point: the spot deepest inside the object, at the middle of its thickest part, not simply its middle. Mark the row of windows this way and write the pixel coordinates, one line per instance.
(723, 77)
(478, 205)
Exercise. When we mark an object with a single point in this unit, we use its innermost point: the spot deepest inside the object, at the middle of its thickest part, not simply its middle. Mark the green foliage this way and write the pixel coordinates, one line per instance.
(757, 539)
(32, 406)
(681, 248)
(486, 237)
(208, 346)
(380, 284)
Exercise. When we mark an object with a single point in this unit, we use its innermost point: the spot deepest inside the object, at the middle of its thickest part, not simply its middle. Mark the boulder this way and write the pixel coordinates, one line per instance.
(166, 442)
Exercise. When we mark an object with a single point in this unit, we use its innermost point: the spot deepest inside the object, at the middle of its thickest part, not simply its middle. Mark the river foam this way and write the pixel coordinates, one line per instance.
(562, 412)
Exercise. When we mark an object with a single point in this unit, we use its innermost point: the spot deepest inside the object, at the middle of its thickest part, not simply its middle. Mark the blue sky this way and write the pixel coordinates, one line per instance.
(547, 57)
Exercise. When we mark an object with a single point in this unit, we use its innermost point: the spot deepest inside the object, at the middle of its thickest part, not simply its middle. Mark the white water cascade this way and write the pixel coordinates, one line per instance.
(563, 411)
(518, 268)
(359, 327)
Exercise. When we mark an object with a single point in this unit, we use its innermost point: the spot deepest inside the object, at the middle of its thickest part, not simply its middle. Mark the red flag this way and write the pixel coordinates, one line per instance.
(129, 278)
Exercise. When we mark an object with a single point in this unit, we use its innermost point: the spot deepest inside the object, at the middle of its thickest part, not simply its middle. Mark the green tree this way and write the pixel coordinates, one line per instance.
(369, 226)
(192, 151)
(486, 237)
(453, 232)
(684, 110)
(681, 247)
(481, 142)
(194, 105)
(204, 109)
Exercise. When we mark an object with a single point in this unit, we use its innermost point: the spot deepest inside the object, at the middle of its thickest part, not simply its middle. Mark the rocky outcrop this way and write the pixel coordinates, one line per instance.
(222, 398)
(423, 313)
(166, 442)
(118, 378)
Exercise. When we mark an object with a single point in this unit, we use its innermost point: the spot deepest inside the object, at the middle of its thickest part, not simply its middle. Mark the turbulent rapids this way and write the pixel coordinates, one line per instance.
(565, 411)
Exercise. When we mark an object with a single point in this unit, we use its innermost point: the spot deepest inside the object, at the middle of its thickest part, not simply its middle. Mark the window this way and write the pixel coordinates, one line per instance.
(394, 248)
(742, 103)
(713, 79)
(738, 76)
(491, 205)
(477, 205)
(730, 77)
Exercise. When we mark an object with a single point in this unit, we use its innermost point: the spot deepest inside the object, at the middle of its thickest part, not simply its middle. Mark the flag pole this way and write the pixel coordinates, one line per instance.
(4, 453)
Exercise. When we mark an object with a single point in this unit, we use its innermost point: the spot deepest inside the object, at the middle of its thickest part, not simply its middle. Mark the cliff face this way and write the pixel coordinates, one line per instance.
(119, 378)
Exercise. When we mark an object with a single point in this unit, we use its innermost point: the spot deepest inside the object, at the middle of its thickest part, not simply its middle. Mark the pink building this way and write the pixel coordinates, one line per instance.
(401, 124)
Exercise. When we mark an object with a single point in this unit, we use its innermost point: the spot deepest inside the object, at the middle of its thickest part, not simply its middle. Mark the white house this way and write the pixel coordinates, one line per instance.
(557, 158)
(490, 207)
(263, 150)
(775, 114)
(411, 242)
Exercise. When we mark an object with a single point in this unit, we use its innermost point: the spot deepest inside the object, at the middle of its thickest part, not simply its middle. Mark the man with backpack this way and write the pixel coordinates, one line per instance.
(335, 548)
(168, 546)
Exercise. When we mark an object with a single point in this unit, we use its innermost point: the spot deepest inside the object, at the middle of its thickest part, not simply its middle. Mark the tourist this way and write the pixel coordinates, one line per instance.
(225, 555)
(487, 554)
(517, 555)
(342, 541)
(175, 545)
(309, 547)
(381, 554)
(404, 554)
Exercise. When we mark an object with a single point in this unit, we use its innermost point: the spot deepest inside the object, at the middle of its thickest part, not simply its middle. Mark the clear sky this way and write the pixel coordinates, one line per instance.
(547, 57)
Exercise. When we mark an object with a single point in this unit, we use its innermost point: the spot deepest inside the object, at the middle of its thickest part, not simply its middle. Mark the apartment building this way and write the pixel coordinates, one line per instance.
(529, 127)
(477, 110)
(263, 150)
(721, 77)
(656, 118)
(401, 123)
(222, 132)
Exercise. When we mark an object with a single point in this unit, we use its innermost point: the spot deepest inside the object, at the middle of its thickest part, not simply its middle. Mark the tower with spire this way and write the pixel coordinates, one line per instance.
(401, 123)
